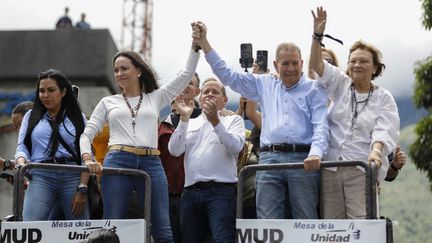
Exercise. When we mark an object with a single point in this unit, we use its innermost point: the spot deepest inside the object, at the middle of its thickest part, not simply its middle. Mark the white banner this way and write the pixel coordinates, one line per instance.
(129, 231)
(308, 231)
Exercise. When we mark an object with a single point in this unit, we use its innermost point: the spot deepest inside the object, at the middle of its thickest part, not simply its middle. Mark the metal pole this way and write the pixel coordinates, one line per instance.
(369, 189)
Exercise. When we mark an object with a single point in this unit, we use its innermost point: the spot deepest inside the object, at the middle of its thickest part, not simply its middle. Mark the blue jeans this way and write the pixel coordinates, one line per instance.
(48, 188)
(205, 210)
(117, 189)
(299, 186)
(56, 212)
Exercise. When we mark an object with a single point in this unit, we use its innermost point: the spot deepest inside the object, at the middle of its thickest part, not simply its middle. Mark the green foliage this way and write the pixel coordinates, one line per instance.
(421, 150)
(427, 14)
(423, 84)
(407, 200)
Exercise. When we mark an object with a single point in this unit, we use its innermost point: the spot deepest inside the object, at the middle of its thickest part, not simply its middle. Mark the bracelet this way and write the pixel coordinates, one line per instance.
(394, 167)
(82, 185)
(317, 37)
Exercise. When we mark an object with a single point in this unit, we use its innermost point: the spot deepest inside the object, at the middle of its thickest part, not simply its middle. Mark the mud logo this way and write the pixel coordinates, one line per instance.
(259, 235)
(31, 235)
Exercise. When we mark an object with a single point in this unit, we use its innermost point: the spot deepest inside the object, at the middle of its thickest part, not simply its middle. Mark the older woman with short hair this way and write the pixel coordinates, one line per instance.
(364, 123)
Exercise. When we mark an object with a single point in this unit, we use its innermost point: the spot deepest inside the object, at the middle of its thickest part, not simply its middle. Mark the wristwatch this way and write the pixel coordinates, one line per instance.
(82, 189)
(6, 164)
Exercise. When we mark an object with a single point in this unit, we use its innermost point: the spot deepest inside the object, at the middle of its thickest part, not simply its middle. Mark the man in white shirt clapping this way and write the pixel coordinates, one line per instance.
(211, 144)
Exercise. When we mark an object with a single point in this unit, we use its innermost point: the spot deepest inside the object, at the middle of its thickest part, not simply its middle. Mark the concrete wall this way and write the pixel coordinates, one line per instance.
(83, 55)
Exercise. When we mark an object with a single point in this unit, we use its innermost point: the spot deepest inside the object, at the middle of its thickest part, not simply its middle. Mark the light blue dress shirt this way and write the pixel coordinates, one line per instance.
(40, 139)
(296, 115)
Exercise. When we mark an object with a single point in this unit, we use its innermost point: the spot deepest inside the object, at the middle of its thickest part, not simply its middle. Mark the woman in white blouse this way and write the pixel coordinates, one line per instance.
(133, 116)
(364, 123)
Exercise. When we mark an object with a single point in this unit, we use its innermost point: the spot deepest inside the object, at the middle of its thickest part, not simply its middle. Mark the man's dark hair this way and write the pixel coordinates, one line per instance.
(103, 236)
(22, 108)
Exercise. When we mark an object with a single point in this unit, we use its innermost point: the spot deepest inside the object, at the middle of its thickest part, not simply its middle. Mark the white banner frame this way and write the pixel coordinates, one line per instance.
(310, 231)
(64, 231)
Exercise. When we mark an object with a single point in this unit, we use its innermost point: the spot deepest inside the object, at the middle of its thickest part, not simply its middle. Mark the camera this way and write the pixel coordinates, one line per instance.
(246, 58)
(261, 60)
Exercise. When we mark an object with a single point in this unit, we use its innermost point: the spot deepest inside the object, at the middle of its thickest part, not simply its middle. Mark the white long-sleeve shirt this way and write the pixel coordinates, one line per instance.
(210, 152)
(379, 121)
(114, 110)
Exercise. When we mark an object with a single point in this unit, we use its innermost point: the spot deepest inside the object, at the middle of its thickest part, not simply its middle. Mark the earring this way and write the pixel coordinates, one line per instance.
(139, 75)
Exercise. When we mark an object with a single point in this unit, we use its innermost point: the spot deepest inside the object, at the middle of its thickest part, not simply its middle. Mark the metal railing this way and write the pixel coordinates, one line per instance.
(371, 200)
(18, 197)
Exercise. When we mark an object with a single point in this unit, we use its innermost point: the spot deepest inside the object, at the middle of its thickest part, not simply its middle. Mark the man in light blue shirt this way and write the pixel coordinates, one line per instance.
(294, 128)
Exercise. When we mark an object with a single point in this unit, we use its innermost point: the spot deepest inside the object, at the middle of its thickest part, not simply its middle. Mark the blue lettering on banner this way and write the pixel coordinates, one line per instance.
(61, 224)
(325, 226)
(11, 99)
(31, 235)
(259, 235)
(299, 225)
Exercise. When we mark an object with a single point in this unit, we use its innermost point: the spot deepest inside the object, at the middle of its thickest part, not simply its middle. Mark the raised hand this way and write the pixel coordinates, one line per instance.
(257, 70)
(196, 36)
(320, 19)
(210, 110)
(199, 35)
(399, 158)
(183, 109)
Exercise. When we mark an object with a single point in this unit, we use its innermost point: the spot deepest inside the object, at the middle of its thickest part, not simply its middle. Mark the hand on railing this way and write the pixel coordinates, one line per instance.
(375, 156)
(312, 163)
(94, 167)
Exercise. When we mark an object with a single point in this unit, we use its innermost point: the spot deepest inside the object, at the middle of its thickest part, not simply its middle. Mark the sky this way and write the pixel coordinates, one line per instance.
(392, 26)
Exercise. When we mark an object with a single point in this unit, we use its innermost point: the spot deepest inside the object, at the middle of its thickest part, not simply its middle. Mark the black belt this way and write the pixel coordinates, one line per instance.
(61, 160)
(286, 147)
(209, 184)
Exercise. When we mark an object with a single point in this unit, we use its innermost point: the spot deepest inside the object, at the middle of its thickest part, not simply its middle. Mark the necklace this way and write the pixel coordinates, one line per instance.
(133, 111)
(355, 104)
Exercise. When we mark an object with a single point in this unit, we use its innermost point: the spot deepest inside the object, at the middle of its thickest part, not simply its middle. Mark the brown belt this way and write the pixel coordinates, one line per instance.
(134, 150)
